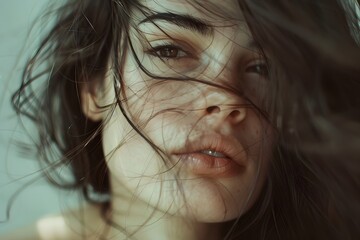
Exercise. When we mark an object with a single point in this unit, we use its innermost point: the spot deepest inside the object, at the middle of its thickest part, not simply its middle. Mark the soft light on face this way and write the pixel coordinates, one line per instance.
(214, 147)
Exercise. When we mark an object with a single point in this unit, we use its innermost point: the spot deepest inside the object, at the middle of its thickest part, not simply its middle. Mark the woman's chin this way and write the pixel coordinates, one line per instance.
(213, 203)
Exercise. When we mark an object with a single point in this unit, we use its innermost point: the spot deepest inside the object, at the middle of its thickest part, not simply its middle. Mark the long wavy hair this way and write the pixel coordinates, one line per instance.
(313, 56)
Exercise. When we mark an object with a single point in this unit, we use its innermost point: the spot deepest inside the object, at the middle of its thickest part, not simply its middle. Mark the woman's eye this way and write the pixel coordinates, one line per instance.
(169, 51)
(172, 58)
(260, 69)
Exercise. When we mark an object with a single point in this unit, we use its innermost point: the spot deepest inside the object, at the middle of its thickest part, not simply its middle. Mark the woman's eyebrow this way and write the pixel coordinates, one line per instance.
(182, 20)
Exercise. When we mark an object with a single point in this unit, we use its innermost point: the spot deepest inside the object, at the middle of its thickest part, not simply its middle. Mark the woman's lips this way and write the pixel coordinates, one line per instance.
(212, 155)
(203, 164)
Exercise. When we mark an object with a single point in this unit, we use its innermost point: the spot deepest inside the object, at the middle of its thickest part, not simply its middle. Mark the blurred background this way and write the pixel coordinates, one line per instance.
(26, 198)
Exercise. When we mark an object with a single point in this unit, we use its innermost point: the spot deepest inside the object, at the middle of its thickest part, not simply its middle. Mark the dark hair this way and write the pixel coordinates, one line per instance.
(312, 48)
(315, 67)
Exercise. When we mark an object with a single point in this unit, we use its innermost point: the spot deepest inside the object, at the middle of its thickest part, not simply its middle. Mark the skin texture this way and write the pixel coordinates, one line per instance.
(158, 194)
(149, 187)
(169, 186)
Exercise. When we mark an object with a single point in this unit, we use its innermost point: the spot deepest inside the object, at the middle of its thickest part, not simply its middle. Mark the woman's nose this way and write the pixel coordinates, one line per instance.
(223, 104)
(230, 113)
(220, 106)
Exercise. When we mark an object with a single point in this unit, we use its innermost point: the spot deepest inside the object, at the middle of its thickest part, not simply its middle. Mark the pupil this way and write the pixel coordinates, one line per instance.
(262, 70)
(169, 52)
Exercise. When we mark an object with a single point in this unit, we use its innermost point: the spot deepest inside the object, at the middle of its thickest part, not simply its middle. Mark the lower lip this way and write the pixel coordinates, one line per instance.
(203, 164)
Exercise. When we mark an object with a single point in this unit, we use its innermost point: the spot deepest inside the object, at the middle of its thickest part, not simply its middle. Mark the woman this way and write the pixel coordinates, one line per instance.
(200, 120)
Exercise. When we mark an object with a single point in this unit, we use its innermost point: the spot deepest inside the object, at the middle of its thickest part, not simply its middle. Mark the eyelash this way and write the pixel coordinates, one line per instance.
(258, 68)
(156, 51)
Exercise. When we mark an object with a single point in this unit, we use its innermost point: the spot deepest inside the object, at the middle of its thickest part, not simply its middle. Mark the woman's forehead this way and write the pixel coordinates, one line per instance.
(207, 18)
(214, 11)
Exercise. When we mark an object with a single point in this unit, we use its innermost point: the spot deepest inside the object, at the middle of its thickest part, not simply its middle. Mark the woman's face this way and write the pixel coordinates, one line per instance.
(214, 146)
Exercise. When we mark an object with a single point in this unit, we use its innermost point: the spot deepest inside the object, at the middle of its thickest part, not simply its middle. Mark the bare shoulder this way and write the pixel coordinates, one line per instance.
(80, 223)
(49, 228)
(29, 233)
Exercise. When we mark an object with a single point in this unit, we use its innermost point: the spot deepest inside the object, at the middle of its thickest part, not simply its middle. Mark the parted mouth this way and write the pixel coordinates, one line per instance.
(212, 154)
(215, 145)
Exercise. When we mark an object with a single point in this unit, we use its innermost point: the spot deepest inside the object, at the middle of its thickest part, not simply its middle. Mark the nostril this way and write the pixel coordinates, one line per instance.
(235, 114)
(213, 109)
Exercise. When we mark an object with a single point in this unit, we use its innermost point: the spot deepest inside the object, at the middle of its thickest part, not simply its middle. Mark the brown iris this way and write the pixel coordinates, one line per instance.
(168, 52)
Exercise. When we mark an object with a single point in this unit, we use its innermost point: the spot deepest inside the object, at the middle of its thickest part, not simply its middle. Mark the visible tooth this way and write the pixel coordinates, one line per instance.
(213, 153)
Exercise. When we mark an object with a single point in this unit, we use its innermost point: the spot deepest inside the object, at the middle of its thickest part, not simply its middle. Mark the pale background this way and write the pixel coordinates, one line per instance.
(16, 168)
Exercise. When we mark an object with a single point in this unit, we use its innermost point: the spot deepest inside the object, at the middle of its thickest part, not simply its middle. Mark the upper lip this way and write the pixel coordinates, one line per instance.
(228, 146)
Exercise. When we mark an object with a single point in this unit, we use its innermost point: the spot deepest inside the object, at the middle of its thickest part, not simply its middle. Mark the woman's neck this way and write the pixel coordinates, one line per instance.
(135, 218)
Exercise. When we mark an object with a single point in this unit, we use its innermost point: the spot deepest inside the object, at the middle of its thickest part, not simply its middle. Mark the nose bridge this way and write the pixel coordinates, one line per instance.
(222, 68)
(223, 104)
(215, 96)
